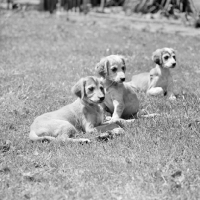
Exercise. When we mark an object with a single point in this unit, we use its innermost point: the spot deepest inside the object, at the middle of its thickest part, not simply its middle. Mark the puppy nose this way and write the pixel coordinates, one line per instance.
(174, 64)
(122, 79)
(101, 98)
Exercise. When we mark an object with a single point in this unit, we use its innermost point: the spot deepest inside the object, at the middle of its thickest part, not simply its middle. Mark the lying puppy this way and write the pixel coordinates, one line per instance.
(120, 99)
(84, 114)
(158, 80)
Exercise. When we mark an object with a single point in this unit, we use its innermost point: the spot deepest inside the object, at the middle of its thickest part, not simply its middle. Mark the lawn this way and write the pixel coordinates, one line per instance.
(41, 57)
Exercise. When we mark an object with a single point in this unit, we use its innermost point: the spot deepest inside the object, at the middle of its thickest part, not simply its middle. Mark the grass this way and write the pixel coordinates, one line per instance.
(41, 57)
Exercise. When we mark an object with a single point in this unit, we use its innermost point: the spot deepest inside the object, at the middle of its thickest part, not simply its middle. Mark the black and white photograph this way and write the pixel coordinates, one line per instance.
(100, 99)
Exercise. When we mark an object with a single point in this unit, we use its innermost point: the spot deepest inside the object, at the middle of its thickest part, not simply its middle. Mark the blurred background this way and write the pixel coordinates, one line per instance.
(185, 10)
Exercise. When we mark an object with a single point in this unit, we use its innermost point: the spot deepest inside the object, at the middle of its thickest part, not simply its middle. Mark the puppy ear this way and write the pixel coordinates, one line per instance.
(156, 57)
(101, 82)
(102, 67)
(172, 50)
(79, 88)
(123, 61)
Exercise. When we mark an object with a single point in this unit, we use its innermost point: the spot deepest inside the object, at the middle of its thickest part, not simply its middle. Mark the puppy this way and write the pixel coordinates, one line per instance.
(159, 80)
(84, 114)
(120, 98)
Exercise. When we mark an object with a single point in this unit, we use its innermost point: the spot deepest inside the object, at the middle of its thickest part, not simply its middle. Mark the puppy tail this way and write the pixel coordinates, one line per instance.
(34, 137)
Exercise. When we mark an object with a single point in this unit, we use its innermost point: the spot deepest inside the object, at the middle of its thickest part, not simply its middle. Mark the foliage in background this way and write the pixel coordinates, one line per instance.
(41, 57)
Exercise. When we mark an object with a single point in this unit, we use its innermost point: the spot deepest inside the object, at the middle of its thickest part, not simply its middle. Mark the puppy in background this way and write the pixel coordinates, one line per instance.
(120, 98)
(159, 80)
(84, 114)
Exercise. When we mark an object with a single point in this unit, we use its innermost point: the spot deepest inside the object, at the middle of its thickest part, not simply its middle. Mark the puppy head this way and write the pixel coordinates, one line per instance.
(165, 57)
(112, 68)
(90, 89)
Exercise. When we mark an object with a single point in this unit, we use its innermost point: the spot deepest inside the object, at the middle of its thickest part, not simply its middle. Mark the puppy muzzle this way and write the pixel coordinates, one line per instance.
(97, 100)
(122, 79)
(173, 65)
(101, 99)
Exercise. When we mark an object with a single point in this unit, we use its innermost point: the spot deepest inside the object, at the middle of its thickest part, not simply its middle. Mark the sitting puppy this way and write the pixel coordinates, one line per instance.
(158, 80)
(120, 98)
(84, 114)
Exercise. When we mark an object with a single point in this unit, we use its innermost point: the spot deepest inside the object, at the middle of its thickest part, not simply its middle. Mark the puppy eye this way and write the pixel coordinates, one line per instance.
(91, 89)
(166, 57)
(114, 69)
(174, 57)
(123, 68)
(101, 88)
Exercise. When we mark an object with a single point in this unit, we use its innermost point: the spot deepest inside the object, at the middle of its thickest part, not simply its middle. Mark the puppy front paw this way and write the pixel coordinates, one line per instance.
(114, 120)
(107, 118)
(91, 130)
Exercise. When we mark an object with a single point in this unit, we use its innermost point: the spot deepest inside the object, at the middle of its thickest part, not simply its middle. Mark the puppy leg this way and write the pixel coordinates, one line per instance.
(55, 130)
(118, 110)
(107, 114)
(89, 128)
(66, 133)
(34, 137)
(170, 89)
(155, 91)
(108, 131)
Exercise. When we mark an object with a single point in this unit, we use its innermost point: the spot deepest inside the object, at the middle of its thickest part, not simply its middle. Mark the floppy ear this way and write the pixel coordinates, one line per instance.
(79, 88)
(123, 61)
(156, 57)
(173, 51)
(100, 80)
(102, 67)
